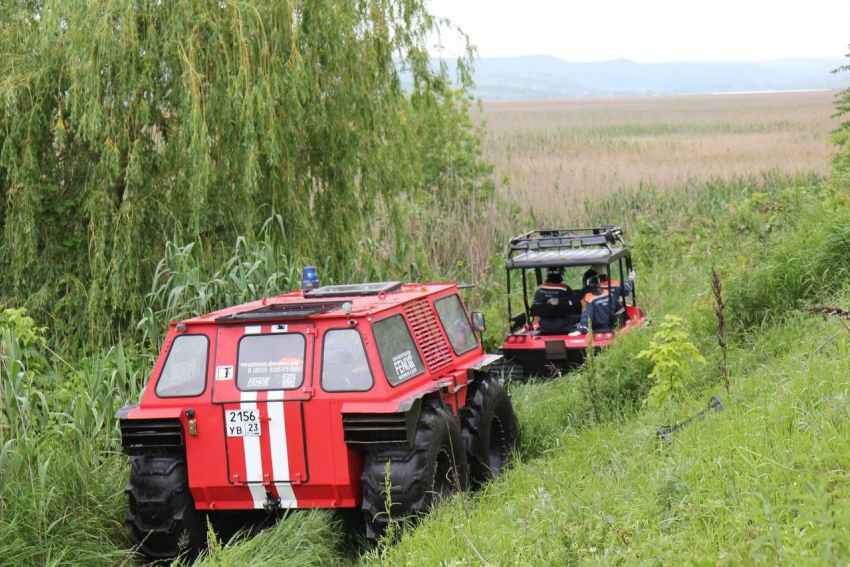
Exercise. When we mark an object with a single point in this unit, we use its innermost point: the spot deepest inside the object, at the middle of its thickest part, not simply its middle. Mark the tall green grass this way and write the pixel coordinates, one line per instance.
(186, 284)
(61, 472)
(301, 539)
(807, 259)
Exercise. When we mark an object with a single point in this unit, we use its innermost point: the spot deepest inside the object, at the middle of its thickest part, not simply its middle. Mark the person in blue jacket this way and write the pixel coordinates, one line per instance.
(599, 308)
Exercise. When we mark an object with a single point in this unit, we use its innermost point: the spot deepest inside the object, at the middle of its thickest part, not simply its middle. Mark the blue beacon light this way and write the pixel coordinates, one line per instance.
(310, 279)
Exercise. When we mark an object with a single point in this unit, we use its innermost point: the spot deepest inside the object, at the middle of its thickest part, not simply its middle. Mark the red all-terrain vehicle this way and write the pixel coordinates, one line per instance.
(303, 400)
(551, 332)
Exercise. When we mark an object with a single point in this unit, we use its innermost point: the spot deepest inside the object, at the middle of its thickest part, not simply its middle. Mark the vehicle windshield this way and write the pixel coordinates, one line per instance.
(271, 362)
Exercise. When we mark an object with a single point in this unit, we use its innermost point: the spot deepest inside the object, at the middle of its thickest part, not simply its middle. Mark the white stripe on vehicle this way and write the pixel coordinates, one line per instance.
(253, 456)
(280, 450)
(258, 493)
(253, 330)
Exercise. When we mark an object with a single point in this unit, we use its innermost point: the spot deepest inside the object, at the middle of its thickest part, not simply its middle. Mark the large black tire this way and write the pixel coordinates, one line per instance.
(489, 428)
(507, 370)
(162, 512)
(419, 477)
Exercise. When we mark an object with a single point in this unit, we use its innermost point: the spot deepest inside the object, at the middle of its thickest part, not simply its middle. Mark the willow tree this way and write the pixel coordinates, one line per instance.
(125, 123)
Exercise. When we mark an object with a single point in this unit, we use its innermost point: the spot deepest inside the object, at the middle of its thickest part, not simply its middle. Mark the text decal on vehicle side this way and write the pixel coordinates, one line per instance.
(404, 366)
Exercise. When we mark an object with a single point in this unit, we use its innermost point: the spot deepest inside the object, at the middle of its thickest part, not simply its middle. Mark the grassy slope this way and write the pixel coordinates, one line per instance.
(763, 481)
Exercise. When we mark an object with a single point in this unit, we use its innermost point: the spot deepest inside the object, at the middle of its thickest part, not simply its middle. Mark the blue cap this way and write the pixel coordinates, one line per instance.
(310, 279)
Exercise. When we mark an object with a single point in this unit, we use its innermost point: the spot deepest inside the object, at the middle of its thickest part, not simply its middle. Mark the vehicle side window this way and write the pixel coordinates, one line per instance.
(344, 364)
(271, 362)
(456, 323)
(185, 370)
(399, 357)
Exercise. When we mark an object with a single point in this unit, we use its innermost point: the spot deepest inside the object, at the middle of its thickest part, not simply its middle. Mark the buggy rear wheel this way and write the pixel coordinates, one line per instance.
(401, 483)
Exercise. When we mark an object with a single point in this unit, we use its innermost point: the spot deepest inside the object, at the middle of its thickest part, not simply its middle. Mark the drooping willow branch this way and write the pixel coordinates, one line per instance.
(126, 123)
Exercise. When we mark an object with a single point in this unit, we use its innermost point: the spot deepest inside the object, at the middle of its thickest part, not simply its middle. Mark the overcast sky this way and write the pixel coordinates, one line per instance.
(652, 30)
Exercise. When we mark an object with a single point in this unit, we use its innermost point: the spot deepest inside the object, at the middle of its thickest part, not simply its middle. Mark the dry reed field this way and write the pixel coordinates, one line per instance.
(550, 155)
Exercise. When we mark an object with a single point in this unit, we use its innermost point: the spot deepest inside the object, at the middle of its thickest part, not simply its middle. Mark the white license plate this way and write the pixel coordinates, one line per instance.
(242, 423)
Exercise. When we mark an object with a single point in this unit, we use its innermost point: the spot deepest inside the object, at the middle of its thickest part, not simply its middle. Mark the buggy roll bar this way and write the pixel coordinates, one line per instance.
(547, 238)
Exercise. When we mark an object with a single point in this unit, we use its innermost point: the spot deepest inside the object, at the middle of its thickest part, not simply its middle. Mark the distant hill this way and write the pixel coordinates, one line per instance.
(541, 76)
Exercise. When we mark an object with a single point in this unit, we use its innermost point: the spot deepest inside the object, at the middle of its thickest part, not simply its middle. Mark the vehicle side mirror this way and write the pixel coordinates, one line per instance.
(478, 322)
(518, 321)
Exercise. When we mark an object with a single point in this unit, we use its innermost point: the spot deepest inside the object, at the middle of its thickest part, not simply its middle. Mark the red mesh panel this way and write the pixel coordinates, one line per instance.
(429, 335)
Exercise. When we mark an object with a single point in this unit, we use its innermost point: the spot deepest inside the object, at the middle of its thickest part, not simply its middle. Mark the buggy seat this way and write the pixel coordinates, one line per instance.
(555, 319)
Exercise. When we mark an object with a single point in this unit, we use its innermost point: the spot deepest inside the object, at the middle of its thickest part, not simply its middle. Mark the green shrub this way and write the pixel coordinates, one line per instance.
(28, 387)
(671, 354)
(31, 338)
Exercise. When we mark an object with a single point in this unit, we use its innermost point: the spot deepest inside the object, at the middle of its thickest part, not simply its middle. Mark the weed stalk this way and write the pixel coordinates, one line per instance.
(393, 529)
(719, 307)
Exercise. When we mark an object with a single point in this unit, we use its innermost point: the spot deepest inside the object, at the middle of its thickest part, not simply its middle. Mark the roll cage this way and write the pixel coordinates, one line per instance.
(565, 248)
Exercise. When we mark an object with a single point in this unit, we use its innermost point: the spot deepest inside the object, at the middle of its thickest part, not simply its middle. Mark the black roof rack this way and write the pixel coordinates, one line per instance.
(566, 247)
(568, 238)
(280, 311)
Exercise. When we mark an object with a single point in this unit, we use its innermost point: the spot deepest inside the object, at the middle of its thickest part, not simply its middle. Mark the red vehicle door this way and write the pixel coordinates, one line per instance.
(262, 378)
